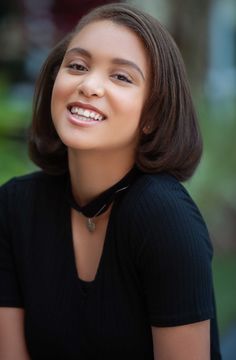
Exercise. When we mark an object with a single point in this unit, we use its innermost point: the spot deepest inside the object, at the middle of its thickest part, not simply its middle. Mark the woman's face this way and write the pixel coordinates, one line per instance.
(100, 89)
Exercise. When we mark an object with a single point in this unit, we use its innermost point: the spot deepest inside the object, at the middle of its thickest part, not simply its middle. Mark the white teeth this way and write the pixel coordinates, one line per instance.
(73, 110)
(86, 113)
(83, 118)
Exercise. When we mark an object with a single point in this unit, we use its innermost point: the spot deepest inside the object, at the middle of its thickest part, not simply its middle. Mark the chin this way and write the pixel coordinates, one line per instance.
(79, 145)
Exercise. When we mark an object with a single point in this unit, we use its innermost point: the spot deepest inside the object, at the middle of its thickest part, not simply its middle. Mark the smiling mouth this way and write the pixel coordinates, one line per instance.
(85, 114)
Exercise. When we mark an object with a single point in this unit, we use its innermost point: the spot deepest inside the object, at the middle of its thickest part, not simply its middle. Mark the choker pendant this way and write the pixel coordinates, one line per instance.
(95, 208)
(91, 226)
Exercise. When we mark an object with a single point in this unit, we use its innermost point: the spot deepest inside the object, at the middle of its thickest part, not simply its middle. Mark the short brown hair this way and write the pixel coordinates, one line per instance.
(172, 143)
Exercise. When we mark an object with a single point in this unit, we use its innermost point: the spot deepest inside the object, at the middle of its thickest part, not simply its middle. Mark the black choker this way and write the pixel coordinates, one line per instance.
(100, 204)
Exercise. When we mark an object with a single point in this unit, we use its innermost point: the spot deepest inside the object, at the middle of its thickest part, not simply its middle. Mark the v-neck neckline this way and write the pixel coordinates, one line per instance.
(83, 283)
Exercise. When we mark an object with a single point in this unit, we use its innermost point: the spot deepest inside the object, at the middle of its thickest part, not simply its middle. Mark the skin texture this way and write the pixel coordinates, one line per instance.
(12, 341)
(184, 342)
(99, 155)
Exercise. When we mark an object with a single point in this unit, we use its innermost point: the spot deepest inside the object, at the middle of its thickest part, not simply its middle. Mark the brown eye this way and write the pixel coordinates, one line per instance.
(122, 77)
(77, 67)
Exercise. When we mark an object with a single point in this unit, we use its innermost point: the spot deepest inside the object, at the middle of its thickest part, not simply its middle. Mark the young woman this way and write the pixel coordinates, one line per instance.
(103, 254)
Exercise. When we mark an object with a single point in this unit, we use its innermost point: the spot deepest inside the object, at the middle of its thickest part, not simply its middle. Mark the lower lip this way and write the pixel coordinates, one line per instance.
(83, 123)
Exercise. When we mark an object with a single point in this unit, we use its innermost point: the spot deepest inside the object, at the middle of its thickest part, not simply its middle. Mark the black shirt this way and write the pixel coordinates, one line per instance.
(155, 269)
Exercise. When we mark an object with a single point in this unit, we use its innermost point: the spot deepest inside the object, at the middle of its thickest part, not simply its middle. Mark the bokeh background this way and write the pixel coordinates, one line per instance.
(205, 31)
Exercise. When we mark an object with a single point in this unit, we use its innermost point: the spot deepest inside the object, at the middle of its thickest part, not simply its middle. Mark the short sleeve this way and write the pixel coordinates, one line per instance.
(173, 257)
(9, 287)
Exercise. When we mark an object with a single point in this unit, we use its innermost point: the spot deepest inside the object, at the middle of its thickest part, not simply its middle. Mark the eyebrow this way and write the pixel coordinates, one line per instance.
(118, 61)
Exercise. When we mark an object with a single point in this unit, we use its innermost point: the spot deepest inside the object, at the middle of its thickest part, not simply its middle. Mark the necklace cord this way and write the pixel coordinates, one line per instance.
(101, 203)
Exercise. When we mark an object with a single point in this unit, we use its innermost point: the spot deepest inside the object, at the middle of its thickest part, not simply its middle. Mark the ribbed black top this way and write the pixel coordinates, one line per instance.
(155, 269)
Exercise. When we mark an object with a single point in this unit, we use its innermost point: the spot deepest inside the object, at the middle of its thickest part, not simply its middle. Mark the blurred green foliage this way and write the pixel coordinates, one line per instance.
(213, 186)
(14, 160)
(216, 174)
(14, 120)
(15, 112)
(224, 270)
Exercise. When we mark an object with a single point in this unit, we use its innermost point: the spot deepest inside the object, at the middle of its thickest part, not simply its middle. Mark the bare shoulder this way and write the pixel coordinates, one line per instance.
(12, 340)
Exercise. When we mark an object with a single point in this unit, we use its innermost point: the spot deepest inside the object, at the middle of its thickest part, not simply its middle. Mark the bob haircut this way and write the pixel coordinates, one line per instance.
(172, 140)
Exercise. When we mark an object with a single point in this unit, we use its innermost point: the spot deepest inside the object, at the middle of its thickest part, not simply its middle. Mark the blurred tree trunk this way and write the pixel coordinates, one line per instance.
(188, 23)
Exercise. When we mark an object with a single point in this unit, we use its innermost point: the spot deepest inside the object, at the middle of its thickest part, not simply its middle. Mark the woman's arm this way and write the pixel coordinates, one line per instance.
(12, 340)
(183, 342)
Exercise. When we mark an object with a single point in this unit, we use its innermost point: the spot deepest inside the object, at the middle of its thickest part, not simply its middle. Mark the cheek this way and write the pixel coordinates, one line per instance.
(57, 91)
(128, 102)
(130, 108)
(56, 105)
(54, 96)
(62, 87)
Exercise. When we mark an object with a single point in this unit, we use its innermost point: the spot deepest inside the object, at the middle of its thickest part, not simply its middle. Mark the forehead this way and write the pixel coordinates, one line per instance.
(112, 39)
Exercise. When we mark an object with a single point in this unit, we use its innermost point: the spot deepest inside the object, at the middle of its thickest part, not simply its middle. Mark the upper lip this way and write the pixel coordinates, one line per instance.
(86, 106)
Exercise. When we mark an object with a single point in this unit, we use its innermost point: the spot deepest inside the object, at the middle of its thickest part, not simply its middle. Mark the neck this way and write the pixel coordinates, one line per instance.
(92, 174)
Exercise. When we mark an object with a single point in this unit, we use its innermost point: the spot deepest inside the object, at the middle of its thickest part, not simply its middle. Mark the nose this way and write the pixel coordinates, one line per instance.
(91, 85)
